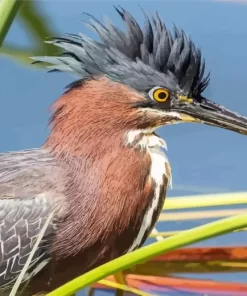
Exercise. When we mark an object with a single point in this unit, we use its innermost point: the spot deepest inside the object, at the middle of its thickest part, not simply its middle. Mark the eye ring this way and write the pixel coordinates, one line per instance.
(159, 94)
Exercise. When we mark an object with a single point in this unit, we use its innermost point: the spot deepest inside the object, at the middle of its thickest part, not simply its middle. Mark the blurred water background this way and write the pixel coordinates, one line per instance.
(204, 159)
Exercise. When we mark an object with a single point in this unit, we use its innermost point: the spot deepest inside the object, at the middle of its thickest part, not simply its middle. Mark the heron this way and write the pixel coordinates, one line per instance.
(102, 173)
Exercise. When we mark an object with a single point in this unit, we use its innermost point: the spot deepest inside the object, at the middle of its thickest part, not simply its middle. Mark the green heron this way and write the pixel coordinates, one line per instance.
(102, 170)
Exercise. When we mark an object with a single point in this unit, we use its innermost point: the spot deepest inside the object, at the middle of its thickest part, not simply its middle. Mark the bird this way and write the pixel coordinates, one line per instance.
(102, 174)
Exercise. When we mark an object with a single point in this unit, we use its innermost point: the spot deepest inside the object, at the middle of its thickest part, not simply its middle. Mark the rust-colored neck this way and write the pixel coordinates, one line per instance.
(90, 119)
(104, 179)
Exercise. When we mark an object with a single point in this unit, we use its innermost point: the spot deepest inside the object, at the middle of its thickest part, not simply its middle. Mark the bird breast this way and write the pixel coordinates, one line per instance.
(160, 174)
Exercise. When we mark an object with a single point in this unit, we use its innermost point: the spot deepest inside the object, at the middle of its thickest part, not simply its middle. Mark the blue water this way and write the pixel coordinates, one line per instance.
(203, 159)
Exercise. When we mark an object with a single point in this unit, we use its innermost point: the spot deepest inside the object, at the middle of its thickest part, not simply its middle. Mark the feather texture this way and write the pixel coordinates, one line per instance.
(151, 56)
(27, 197)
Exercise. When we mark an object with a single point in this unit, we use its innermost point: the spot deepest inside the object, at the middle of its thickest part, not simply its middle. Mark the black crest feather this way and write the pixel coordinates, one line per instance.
(137, 57)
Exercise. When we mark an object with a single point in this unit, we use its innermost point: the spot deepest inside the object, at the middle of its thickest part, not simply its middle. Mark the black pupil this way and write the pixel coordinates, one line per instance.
(162, 95)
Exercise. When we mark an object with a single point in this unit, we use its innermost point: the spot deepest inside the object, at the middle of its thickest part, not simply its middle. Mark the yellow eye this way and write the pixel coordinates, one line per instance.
(160, 95)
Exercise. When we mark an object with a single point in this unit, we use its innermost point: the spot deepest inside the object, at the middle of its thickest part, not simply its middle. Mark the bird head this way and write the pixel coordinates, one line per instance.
(138, 79)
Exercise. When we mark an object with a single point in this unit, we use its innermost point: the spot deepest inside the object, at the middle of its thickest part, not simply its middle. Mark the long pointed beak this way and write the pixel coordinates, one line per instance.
(210, 113)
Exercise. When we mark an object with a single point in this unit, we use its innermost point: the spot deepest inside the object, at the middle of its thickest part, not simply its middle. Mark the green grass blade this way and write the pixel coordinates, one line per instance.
(182, 239)
(120, 279)
(22, 55)
(8, 11)
(39, 26)
(124, 288)
(209, 200)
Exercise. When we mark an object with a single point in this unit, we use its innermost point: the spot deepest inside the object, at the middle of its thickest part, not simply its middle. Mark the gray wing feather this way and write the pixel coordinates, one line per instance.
(29, 191)
(20, 224)
(28, 171)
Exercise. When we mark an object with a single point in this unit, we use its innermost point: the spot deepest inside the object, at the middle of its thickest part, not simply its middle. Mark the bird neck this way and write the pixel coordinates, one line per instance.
(105, 174)
(90, 119)
(109, 170)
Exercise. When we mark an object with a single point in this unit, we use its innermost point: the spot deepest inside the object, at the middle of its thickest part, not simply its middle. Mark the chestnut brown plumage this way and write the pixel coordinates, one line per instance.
(102, 170)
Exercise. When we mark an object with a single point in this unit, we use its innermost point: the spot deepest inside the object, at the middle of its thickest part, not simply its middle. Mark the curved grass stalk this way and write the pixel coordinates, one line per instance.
(120, 279)
(182, 239)
(163, 234)
(123, 287)
(8, 11)
(210, 200)
(198, 215)
(22, 55)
